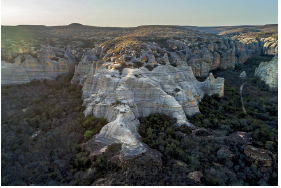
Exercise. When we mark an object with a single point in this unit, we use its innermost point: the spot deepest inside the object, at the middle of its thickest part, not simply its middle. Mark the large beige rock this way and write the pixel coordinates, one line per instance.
(268, 72)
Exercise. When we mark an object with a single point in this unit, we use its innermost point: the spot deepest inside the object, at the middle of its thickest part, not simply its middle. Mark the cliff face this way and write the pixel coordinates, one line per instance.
(268, 72)
(201, 53)
(204, 55)
(28, 68)
(137, 84)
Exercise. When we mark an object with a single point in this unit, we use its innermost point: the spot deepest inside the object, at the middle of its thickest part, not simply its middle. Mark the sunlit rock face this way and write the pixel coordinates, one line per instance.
(149, 81)
(28, 68)
(268, 72)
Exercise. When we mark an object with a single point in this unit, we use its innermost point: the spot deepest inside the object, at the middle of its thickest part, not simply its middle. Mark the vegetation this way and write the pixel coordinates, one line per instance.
(42, 126)
(83, 31)
(158, 134)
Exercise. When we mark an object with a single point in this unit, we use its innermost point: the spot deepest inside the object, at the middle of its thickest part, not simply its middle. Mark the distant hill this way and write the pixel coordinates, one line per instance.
(269, 30)
(76, 30)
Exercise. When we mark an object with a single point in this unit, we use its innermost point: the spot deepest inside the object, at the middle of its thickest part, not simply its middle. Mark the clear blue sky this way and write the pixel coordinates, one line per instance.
(127, 13)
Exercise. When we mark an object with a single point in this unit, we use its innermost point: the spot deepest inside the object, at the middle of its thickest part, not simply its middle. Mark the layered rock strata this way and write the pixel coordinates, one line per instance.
(29, 68)
(136, 85)
(201, 53)
(204, 54)
(268, 72)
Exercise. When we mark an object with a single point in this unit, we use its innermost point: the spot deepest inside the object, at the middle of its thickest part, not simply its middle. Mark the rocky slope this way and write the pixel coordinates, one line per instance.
(268, 72)
(138, 81)
(45, 66)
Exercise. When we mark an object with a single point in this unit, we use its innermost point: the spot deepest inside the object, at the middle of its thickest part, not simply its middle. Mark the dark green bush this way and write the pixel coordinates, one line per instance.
(88, 135)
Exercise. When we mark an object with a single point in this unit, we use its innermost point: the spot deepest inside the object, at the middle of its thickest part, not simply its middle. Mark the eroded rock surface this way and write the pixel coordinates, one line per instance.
(205, 54)
(27, 68)
(137, 86)
(268, 72)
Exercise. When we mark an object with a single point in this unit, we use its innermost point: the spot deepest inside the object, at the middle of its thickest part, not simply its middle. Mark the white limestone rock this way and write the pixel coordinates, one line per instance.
(268, 72)
(243, 75)
(138, 92)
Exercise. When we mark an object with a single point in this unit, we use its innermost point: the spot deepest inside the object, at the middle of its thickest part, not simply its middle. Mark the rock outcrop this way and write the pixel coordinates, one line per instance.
(268, 72)
(196, 175)
(201, 53)
(264, 159)
(121, 91)
(243, 75)
(258, 156)
(28, 68)
(208, 54)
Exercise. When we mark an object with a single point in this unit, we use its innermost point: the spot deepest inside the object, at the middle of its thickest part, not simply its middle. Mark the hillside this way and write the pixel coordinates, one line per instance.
(249, 31)
(84, 31)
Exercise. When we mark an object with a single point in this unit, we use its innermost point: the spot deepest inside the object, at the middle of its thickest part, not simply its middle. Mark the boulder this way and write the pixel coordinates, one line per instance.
(260, 157)
(196, 175)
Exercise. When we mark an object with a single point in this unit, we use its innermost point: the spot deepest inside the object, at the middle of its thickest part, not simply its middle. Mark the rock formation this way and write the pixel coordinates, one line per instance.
(121, 91)
(260, 157)
(201, 53)
(196, 175)
(32, 68)
(243, 75)
(208, 54)
(268, 72)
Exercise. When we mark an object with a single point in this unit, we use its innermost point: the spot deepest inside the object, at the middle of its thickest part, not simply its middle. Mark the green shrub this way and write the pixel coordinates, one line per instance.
(88, 135)
(102, 165)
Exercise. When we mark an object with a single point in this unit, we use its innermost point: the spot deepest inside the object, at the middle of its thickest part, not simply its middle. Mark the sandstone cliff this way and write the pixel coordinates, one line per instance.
(28, 68)
(268, 72)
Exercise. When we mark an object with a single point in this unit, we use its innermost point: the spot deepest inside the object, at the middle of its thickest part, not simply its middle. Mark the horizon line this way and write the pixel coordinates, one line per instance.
(78, 24)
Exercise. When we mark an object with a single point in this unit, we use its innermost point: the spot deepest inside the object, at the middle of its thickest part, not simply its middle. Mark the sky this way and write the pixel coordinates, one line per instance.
(132, 13)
